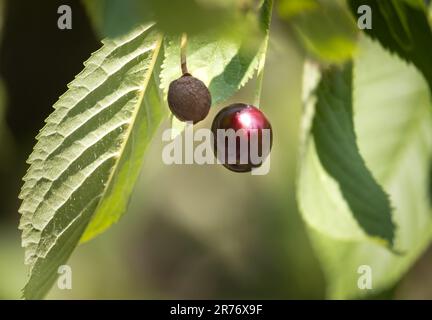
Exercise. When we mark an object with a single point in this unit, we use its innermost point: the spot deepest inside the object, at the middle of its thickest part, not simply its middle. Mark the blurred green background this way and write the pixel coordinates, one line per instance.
(191, 231)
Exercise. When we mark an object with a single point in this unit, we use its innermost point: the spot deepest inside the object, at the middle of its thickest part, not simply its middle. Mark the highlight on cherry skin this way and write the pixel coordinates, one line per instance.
(253, 137)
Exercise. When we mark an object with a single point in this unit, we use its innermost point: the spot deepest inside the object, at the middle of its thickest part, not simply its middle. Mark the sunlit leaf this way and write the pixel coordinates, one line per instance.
(393, 121)
(224, 63)
(88, 155)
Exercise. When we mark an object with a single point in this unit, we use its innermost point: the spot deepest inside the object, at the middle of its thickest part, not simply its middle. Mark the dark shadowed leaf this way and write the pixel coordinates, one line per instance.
(338, 194)
(402, 27)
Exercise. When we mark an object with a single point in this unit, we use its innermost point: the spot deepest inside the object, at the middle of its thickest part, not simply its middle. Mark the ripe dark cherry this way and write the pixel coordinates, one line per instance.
(250, 119)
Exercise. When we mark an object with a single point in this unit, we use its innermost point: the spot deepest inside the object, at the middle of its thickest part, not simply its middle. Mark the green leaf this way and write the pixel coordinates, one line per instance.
(402, 27)
(218, 62)
(325, 28)
(88, 155)
(337, 193)
(393, 122)
(292, 8)
(116, 17)
(430, 13)
(224, 63)
(112, 18)
(265, 18)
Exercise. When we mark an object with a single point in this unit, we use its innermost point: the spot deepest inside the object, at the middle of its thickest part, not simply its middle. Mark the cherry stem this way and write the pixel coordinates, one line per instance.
(183, 45)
